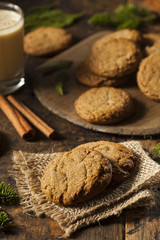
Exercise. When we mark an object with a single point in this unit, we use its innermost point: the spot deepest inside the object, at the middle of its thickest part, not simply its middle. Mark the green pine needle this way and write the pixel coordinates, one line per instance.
(47, 16)
(5, 220)
(125, 16)
(102, 19)
(60, 79)
(7, 194)
(157, 149)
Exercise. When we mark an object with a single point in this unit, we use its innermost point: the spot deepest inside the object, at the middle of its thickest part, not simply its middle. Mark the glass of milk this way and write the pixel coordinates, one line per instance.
(11, 48)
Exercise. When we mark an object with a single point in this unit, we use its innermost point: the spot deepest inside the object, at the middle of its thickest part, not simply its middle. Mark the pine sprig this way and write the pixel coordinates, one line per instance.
(60, 79)
(157, 149)
(60, 65)
(124, 16)
(7, 194)
(5, 220)
(47, 16)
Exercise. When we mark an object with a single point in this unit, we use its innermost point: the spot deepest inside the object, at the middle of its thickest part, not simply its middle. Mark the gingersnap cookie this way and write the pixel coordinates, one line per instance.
(88, 78)
(122, 158)
(104, 105)
(148, 77)
(46, 41)
(129, 34)
(76, 176)
(118, 58)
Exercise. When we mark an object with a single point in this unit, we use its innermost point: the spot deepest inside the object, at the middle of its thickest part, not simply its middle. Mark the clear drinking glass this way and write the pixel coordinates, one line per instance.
(11, 48)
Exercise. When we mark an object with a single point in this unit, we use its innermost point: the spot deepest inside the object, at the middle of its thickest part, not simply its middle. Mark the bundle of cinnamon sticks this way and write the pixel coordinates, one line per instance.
(15, 110)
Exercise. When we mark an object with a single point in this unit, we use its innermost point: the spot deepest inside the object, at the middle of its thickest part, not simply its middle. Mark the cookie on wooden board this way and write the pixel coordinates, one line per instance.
(76, 176)
(104, 105)
(85, 76)
(117, 58)
(129, 34)
(148, 77)
(46, 41)
(123, 160)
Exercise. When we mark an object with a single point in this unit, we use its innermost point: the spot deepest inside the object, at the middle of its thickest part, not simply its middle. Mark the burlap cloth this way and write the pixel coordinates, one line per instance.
(135, 191)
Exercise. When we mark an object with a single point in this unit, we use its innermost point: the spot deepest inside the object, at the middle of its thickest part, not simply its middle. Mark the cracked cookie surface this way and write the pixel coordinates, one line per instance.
(123, 160)
(129, 34)
(104, 105)
(76, 176)
(117, 58)
(148, 77)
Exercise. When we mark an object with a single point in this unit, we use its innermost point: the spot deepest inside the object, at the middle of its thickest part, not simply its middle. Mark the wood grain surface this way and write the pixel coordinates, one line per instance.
(145, 120)
(141, 224)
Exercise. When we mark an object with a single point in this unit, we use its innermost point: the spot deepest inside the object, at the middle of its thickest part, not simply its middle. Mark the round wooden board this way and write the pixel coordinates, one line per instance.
(145, 121)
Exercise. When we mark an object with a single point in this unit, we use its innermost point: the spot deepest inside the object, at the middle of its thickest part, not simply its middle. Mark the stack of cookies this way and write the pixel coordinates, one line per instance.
(114, 57)
(86, 171)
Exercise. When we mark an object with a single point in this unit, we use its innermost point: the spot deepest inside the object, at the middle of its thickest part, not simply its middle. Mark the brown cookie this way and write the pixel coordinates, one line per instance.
(76, 176)
(122, 158)
(148, 77)
(46, 41)
(104, 105)
(118, 58)
(88, 78)
(129, 34)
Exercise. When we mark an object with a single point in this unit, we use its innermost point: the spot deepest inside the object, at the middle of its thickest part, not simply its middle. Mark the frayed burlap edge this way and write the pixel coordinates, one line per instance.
(29, 167)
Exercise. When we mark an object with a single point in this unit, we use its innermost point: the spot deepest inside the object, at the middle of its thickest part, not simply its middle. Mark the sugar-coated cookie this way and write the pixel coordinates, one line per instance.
(104, 105)
(118, 58)
(148, 77)
(76, 176)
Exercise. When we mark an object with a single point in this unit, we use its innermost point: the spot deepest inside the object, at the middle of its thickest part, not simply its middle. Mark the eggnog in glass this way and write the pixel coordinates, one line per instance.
(11, 48)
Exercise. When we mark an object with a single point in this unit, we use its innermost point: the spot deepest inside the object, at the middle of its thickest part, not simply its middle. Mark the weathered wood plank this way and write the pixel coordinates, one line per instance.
(143, 224)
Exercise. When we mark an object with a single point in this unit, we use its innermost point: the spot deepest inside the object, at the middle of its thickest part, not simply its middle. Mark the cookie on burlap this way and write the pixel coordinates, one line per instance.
(45, 41)
(122, 158)
(129, 34)
(86, 77)
(148, 76)
(104, 105)
(117, 58)
(76, 176)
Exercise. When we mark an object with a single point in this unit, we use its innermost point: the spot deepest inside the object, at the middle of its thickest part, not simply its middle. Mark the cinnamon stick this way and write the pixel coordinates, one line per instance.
(20, 124)
(33, 118)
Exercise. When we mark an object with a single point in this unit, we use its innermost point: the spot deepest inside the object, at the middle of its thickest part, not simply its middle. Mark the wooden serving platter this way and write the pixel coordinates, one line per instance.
(145, 121)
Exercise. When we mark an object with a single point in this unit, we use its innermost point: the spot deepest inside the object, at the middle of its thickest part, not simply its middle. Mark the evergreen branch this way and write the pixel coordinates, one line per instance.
(60, 65)
(124, 16)
(46, 16)
(5, 220)
(7, 194)
(63, 76)
(157, 149)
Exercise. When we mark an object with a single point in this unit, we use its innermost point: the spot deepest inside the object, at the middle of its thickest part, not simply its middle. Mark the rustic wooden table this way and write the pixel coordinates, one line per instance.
(131, 224)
